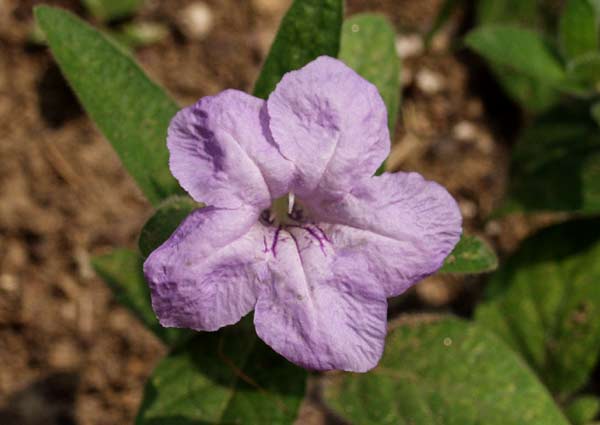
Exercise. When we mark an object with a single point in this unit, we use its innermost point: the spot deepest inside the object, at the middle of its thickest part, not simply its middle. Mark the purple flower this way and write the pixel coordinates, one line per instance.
(297, 229)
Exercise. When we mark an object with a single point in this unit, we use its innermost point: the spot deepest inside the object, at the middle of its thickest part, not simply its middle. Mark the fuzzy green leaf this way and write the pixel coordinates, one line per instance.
(519, 49)
(532, 94)
(545, 302)
(531, 74)
(583, 410)
(130, 110)
(595, 113)
(578, 33)
(470, 255)
(368, 47)
(164, 221)
(311, 28)
(558, 160)
(448, 372)
(584, 71)
(122, 271)
(225, 377)
(507, 12)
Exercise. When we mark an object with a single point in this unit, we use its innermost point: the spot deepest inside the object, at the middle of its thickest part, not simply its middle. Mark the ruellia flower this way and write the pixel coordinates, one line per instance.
(296, 226)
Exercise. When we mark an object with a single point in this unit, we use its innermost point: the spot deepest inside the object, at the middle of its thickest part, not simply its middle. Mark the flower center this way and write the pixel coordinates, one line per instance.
(290, 217)
(285, 210)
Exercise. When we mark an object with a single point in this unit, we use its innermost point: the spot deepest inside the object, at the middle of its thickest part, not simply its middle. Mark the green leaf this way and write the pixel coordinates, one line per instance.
(122, 271)
(130, 110)
(584, 71)
(310, 28)
(164, 221)
(558, 160)
(226, 377)
(596, 5)
(448, 372)
(108, 10)
(578, 33)
(545, 302)
(470, 255)
(583, 410)
(507, 12)
(533, 94)
(368, 47)
(595, 112)
(521, 50)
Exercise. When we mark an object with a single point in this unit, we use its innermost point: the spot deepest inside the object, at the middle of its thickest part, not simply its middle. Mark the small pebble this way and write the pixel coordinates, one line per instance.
(435, 291)
(409, 45)
(485, 144)
(468, 208)
(493, 228)
(84, 265)
(64, 355)
(464, 131)
(196, 20)
(429, 82)
(8, 283)
(441, 42)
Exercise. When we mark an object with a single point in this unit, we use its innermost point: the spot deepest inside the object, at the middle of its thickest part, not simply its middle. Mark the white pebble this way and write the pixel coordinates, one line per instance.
(465, 131)
(409, 45)
(8, 282)
(468, 208)
(196, 20)
(429, 82)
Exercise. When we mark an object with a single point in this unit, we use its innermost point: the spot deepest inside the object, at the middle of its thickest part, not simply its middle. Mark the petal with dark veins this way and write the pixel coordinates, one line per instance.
(317, 314)
(208, 273)
(222, 153)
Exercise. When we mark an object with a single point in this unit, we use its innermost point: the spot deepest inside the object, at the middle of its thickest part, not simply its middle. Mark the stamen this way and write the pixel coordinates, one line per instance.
(291, 199)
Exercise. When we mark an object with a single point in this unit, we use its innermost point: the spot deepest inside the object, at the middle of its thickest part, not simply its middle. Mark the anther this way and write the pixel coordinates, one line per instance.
(291, 199)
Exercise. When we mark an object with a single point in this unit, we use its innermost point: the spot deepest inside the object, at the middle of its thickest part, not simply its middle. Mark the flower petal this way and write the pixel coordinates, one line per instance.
(205, 276)
(221, 155)
(402, 225)
(319, 315)
(331, 123)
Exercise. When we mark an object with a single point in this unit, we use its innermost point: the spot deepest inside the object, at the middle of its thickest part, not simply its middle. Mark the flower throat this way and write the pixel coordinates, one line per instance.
(285, 210)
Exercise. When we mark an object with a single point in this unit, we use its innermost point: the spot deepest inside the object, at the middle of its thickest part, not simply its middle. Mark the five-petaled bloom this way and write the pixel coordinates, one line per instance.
(297, 228)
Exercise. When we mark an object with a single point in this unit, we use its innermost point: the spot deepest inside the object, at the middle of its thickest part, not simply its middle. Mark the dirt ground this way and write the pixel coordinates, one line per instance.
(69, 354)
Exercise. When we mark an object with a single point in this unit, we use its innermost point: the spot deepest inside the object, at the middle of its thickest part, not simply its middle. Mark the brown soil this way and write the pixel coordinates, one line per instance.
(69, 354)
